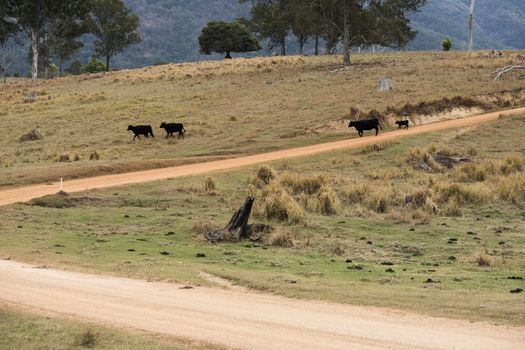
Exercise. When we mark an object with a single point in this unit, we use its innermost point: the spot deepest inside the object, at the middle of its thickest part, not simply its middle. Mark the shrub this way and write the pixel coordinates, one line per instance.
(278, 204)
(446, 44)
(94, 66)
(201, 227)
(76, 157)
(75, 68)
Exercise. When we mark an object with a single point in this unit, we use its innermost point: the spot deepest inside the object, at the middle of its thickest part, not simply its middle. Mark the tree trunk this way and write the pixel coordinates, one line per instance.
(470, 26)
(238, 228)
(60, 64)
(228, 55)
(346, 34)
(301, 45)
(283, 47)
(316, 52)
(108, 57)
(34, 46)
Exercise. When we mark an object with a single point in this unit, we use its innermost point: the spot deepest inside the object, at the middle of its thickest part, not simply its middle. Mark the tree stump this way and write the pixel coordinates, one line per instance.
(238, 229)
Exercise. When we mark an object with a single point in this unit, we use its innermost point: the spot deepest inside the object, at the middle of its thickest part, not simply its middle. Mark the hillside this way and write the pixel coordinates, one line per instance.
(170, 28)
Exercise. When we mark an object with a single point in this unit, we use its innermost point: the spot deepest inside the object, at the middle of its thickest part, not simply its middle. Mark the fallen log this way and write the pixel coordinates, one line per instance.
(498, 73)
(238, 228)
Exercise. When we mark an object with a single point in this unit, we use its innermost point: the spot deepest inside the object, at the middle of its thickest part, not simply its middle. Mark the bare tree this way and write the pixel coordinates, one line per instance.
(7, 57)
(470, 26)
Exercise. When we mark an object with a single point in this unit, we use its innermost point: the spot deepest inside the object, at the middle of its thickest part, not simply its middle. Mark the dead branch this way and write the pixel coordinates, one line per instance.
(504, 70)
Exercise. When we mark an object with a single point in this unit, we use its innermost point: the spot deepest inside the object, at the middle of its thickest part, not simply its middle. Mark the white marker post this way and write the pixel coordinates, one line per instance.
(61, 184)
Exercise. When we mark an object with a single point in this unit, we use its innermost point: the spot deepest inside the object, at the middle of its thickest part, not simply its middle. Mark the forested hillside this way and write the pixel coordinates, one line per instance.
(170, 28)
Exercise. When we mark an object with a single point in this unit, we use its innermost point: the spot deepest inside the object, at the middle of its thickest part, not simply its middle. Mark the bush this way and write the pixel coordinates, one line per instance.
(449, 193)
(355, 194)
(75, 68)
(472, 173)
(446, 44)
(64, 158)
(94, 66)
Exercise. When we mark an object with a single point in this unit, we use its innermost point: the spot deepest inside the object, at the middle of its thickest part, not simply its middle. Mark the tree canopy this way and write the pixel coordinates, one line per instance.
(227, 37)
(114, 26)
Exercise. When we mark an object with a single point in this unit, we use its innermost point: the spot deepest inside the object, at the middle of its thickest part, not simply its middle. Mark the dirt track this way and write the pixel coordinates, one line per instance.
(238, 319)
(231, 317)
(24, 194)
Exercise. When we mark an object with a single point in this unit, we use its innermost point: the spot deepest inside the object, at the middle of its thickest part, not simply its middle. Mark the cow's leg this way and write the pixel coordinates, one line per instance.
(377, 131)
(360, 133)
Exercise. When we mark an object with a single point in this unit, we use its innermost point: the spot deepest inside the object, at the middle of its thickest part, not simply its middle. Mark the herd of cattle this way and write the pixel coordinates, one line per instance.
(171, 128)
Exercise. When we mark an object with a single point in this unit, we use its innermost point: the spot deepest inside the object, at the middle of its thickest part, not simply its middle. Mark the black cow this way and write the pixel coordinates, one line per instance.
(369, 124)
(403, 124)
(172, 128)
(138, 130)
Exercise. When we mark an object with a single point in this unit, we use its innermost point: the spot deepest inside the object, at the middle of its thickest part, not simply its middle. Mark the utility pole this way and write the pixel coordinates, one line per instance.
(470, 26)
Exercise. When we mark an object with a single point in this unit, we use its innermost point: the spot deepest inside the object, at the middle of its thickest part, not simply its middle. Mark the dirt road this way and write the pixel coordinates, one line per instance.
(240, 319)
(24, 194)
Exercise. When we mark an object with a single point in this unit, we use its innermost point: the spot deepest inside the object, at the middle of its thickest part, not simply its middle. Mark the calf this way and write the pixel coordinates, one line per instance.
(403, 124)
(172, 128)
(138, 130)
(362, 125)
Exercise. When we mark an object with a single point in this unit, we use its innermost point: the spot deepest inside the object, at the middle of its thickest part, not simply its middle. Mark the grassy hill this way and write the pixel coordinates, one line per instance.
(229, 108)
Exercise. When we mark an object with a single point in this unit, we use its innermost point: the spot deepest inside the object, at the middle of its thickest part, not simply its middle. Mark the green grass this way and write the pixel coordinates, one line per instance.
(229, 108)
(21, 331)
(122, 231)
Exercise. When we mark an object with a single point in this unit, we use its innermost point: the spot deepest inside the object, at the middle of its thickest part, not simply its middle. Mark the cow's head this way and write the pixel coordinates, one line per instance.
(352, 123)
(163, 125)
(130, 127)
(398, 122)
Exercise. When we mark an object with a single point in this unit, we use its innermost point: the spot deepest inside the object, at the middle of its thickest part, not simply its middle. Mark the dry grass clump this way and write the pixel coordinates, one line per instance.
(282, 238)
(209, 185)
(474, 172)
(201, 227)
(76, 157)
(512, 189)
(33, 135)
(277, 204)
(303, 184)
(64, 158)
(94, 156)
(88, 339)
(354, 194)
(378, 147)
(265, 175)
(484, 260)
(327, 202)
(453, 192)
(512, 164)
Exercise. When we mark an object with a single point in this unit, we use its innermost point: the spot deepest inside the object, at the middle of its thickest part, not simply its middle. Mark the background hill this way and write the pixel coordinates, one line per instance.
(170, 28)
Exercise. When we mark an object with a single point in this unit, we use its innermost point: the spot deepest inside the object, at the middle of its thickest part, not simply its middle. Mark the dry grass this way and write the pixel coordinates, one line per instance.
(484, 260)
(282, 238)
(274, 98)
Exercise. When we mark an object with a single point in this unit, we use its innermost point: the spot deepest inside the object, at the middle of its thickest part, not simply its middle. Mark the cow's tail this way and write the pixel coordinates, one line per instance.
(380, 126)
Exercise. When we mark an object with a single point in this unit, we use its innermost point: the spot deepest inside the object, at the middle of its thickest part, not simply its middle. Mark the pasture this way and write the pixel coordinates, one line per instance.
(233, 108)
(369, 226)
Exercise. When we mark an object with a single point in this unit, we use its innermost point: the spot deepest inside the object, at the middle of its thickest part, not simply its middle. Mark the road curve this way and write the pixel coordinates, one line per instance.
(24, 194)
(239, 319)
